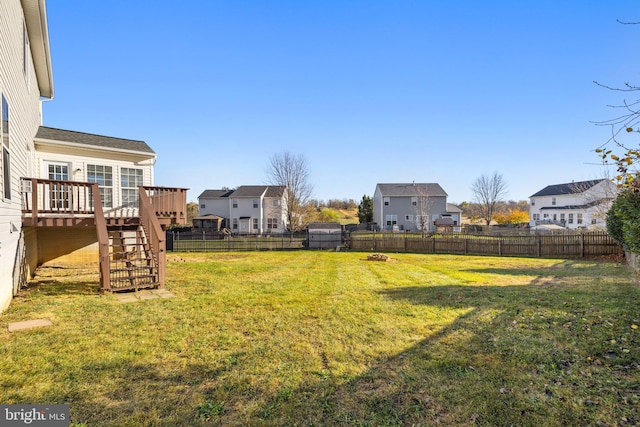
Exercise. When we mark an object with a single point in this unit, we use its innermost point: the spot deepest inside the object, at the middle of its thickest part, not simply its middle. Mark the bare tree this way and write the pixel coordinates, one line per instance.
(291, 172)
(422, 205)
(488, 190)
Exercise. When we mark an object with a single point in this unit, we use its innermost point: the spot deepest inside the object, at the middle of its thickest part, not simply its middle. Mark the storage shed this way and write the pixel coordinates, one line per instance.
(324, 235)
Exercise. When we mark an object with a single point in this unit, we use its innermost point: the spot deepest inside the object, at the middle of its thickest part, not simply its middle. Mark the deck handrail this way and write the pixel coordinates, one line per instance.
(168, 202)
(50, 196)
(103, 238)
(155, 235)
(74, 198)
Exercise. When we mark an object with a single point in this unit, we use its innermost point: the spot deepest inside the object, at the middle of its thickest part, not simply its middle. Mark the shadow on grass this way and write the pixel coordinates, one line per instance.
(54, 281)
(515, 357)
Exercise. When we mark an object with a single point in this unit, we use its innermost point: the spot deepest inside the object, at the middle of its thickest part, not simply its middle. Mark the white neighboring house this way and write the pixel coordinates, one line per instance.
(406, 207)
(26, 79)
(582, 204)
(249, 209)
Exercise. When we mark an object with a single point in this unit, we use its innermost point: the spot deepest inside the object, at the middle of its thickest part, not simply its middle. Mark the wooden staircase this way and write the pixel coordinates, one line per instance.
(131, 241)
(132, 262)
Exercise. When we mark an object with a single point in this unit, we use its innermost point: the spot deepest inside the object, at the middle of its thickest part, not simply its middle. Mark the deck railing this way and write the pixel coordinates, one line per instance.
(155, 236)
(48, 197)
(168, 203)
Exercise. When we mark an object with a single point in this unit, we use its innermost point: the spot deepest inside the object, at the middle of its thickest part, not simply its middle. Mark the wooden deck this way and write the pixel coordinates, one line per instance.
(53, 203)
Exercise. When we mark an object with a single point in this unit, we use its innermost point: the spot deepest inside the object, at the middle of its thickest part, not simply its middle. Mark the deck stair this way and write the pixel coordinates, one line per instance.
(132, 263)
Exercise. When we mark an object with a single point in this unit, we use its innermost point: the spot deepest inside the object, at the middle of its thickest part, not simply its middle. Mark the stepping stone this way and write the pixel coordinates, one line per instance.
(146, 295)
(28, 324)
(126, 297)
(162, 293)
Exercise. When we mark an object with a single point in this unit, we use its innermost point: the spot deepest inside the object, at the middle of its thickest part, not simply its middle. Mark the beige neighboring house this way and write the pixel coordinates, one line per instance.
(67, 194)
(572, 205)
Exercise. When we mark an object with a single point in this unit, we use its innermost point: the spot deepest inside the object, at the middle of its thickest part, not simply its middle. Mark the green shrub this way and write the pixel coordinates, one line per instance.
(623, 220)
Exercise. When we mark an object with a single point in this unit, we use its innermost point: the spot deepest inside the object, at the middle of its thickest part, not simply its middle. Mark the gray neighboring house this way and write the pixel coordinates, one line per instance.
(401, 207)
(249, 209)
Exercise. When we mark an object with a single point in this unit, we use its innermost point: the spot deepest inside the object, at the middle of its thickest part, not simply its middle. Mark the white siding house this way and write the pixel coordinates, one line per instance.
(118, 165)
(49, 208)
(25, 78)
(582, 204)
(249, 209)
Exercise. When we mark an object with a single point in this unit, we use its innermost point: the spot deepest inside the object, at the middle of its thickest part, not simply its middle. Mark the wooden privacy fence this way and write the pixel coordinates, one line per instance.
(566, 245)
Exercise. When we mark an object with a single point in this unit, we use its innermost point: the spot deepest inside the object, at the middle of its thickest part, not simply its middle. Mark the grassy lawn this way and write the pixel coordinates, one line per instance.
(325, 338)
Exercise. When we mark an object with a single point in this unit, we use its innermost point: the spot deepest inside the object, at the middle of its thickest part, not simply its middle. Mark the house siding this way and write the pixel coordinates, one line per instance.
(403, 209)
(542, 209)
(79, 159)
(23, 98)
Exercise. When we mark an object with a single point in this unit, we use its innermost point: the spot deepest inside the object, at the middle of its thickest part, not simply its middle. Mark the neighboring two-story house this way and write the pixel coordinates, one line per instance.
(582, 204)
(411, 207)
(249, 209)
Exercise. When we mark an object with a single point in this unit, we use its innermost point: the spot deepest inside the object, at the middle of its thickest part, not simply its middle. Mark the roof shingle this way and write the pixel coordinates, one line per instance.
(53, 134)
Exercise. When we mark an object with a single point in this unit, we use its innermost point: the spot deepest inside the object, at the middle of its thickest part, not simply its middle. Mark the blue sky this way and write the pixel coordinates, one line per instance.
(368, 91)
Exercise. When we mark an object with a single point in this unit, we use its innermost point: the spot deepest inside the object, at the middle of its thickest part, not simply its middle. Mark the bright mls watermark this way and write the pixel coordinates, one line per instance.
(34, 415)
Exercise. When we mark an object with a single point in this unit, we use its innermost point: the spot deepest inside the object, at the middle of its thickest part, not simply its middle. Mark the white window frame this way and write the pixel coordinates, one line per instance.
(5, 143)
(128, 189)
(391, 220)
(386, 201)
(106, 185)
(255, 223)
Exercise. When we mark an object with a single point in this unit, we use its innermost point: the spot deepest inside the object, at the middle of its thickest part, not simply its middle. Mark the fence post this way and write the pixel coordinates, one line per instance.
(581, 245)
(466, 245)
(405, 242)
(539, 245)
(500, 247)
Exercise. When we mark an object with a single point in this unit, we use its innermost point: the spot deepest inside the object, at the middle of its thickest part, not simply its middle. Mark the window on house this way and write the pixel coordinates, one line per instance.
(555, 217)
(553, 201)
(562, 217)
(593, 221)
(408, 217)
(235, 223)
(103, 176)
(276, 203)
(256, 203)
(234, 203)
(272, 223)
(26, 56)
(202, 206)
(6, 158)
(392, 220)
(570, 218)
(130, 180)
(255, 223)
(414, 201)
(59, 193)
(536, 217)
(545, 215)
(386, 201)
(533, 202)
(579, 218)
